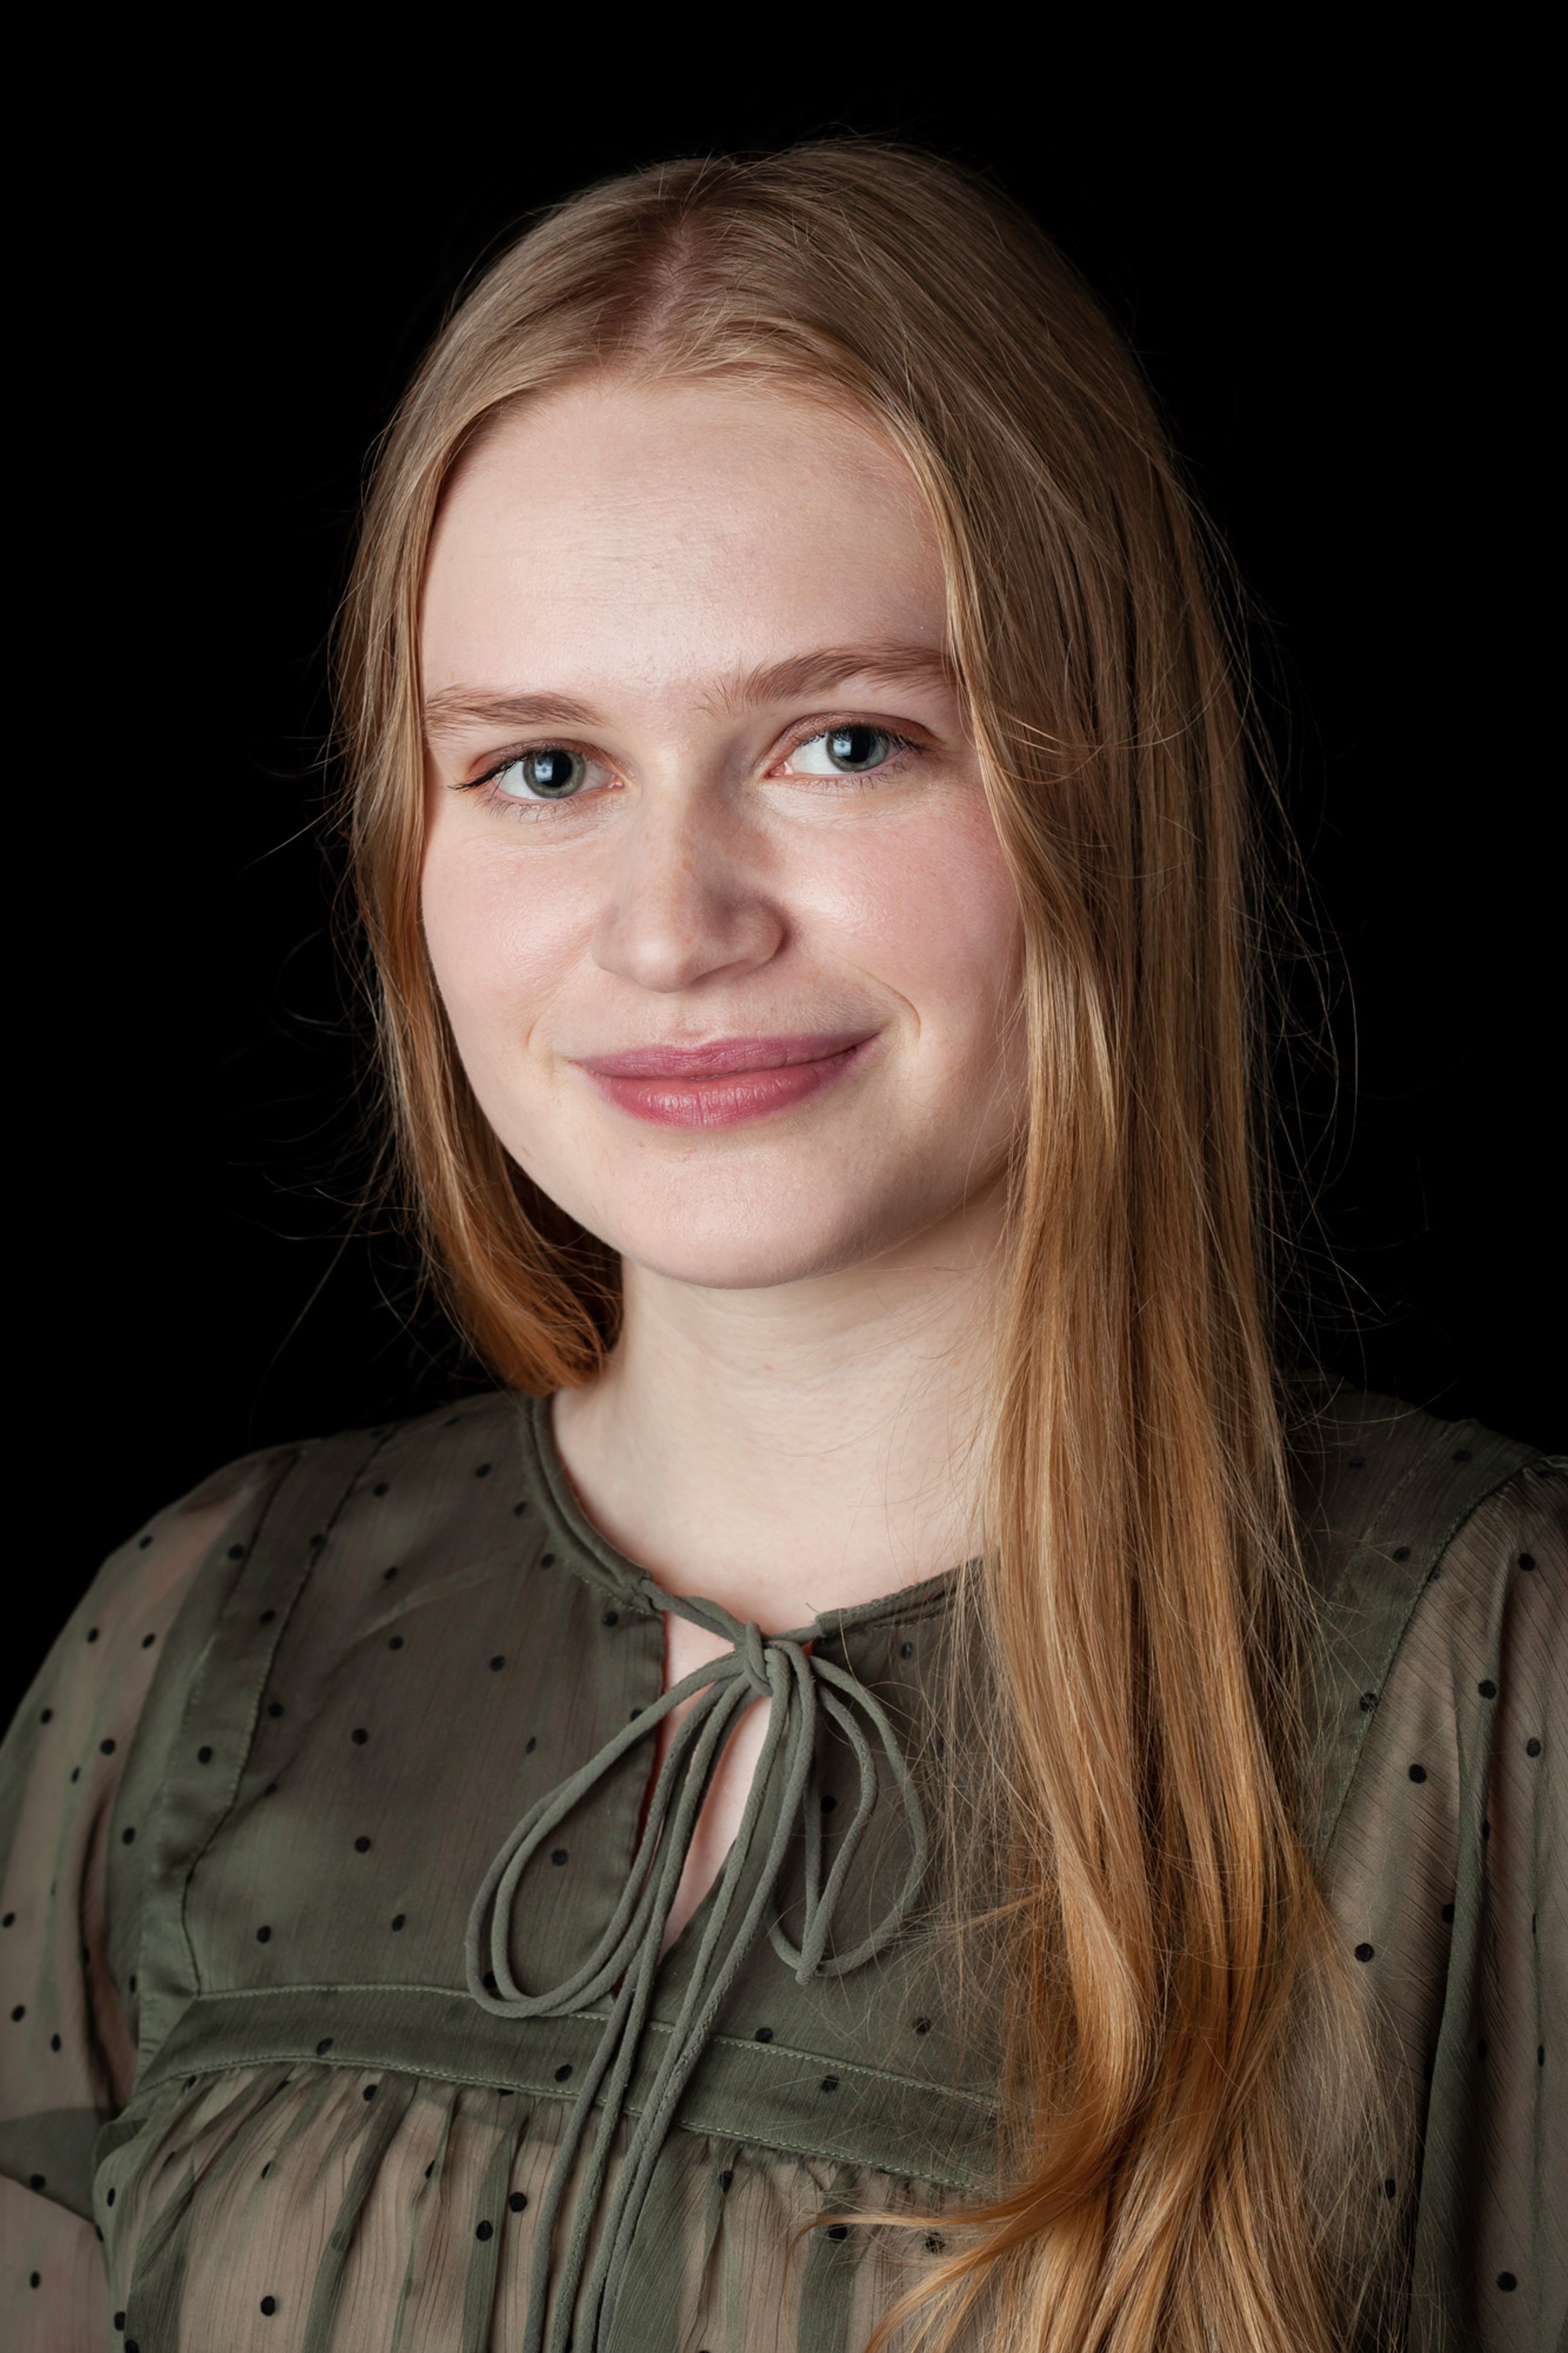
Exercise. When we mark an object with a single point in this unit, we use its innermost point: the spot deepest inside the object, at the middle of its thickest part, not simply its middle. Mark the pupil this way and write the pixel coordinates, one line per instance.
(855, 747)
(551, 772)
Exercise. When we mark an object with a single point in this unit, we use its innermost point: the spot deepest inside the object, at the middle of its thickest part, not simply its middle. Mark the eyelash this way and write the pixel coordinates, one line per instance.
(818, 728)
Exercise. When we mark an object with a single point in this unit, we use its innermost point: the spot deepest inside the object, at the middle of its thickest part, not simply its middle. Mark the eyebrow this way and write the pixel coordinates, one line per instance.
(453, 708)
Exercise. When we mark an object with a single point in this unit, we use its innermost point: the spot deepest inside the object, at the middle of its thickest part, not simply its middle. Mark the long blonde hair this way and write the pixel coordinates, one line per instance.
(1165, 1943)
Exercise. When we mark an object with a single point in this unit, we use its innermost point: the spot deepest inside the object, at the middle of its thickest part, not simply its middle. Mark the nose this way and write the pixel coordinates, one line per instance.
(689, 898)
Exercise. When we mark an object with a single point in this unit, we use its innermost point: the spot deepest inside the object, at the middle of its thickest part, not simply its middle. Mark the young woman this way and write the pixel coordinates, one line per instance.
(893, 1785)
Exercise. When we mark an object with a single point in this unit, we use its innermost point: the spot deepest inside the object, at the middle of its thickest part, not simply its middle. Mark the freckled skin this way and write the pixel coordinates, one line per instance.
(779, 1424)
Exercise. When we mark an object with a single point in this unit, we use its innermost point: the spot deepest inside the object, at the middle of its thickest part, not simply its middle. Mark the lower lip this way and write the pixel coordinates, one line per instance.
(729, 1098)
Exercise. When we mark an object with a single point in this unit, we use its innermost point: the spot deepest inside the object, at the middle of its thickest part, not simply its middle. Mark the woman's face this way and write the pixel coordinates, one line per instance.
(711, 888)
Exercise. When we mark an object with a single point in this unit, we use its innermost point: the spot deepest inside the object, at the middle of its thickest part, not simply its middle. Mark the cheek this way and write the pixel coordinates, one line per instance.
(500, 946)
(930, 913)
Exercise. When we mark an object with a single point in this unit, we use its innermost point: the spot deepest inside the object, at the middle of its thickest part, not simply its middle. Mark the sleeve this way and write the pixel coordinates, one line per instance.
(1492, 2246)
(66, 2055)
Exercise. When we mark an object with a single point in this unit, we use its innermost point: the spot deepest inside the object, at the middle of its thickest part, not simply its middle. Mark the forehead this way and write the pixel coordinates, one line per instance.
(679, 527)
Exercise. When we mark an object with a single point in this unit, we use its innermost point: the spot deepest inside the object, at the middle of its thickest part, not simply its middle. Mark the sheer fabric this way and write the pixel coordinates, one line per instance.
(247, 2097)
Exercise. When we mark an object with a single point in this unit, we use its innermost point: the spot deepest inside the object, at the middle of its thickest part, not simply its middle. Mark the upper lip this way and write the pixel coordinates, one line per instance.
(715, 1057)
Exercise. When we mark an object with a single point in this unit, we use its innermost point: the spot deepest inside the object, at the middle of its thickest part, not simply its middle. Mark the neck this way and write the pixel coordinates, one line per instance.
(808, 1447)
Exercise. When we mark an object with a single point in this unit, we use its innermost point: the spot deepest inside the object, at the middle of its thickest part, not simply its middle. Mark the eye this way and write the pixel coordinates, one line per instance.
(551, 773)
(845, 752)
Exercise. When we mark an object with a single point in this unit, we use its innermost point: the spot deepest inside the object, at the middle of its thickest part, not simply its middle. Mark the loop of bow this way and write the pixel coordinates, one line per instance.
(795, 1683)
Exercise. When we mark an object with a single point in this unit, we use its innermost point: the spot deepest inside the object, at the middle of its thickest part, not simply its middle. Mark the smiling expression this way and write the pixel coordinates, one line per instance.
(711, 888)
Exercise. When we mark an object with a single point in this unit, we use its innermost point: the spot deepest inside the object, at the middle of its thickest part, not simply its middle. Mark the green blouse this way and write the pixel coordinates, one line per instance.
(332, 2009)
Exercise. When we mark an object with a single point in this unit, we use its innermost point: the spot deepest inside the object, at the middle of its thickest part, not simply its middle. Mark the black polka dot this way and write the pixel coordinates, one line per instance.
(19, 2013)
(1527, 1560)
(275, 1707)
(923, 2026)
(1402, 1552)
(562, 2073)
(725, 2179)
(1418, 1772)
(387, 1575)
(399, 1920)
(1363, 1952)
(547, 1560)
(37, 2181)
(611, 1618)
(379, 1488)
(498, 1662)
(765, 2034)
(359, 1735)
(204, 1756)
(370, 2091)
(1507, 2282)
(1532, 1748)
(54, 2042)
(906, 1650)
(143, 1543)
(269, 2305)
(109, 2199)
(270, 1791)
(361, 1846)
(518, 1510)
(35, 2279)
(75, 1773)
(148, 1641)
(128, 1837)
(131, 1982)
(530, 1745)
(47, 1716)
(92, 1633)
(829, 1802)
(324, 2046)
(266, 1617)
(264, 1935)
(634, 1716)
(1449, 1914)
(1368, 1702)
(106, 1747)
(120, 2320)
(1486, 1688)
(518, 2200)
(830, 2083)
(484, 2229)
(394, 1643)
(481, 1470)
(236, 1552)
(838, 2230)
(558, 1855)
(8, 1921)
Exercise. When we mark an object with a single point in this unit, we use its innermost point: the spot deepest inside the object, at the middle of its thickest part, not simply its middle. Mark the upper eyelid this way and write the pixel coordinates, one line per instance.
(805, 732)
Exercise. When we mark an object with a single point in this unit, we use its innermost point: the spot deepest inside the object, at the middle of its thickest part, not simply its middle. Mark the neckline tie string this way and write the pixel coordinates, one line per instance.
(796, 1683)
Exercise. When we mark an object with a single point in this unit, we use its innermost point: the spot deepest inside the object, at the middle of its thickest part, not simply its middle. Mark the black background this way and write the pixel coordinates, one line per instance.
(1327, 274)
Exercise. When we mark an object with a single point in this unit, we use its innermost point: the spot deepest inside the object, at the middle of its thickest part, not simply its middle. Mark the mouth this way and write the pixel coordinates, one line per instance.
(725, 1081)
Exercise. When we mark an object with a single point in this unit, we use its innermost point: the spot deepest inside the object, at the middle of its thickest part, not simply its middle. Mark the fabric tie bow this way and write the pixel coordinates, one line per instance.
(796, 1683)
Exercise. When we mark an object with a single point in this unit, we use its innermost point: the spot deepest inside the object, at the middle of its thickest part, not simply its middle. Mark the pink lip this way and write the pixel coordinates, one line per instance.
(725, 1080)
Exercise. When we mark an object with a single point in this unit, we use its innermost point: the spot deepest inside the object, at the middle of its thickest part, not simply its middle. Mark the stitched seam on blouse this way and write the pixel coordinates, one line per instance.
(192, 1860)
(769, 2052)
(840, 2152)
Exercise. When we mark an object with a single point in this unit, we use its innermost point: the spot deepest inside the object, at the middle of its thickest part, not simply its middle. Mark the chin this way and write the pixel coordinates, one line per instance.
(736, 1248)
